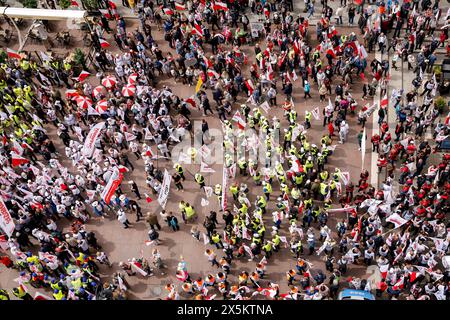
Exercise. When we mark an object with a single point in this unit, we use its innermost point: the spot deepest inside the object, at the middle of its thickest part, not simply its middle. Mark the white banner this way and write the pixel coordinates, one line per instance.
(363, 148)
(6, 221)
(89, 143)
(224, 188)
(205, 168)
(165, 188)
(396, 220)
(315, 113)
(113, 184)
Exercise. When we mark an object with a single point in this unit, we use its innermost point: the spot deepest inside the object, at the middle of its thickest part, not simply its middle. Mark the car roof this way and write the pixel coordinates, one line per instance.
(346, 293)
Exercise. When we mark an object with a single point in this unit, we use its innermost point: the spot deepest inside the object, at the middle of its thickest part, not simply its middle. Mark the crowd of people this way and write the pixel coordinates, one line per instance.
(103, 122)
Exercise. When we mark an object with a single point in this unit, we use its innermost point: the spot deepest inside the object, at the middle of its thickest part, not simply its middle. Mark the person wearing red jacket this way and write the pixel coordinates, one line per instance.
(376, 142)
(404, 172)
(381, 287)
(381, 162)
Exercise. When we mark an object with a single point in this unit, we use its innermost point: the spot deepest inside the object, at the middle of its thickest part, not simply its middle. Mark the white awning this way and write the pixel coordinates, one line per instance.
(42, 14)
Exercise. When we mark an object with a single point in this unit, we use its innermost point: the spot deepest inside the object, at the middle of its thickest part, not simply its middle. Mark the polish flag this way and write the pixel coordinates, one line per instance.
(191, 101)
(13, 54)
(250, 86)
(180, 7)
(105, 13)
(240, 121)
(208, 63)
(197, 29)
(104, 43)
(280, 62)
(384, 270)
(384, 102)
(213, 74)
(296, 47)
(17, 160)
(17, 148)
(168, 11)
(262, 63)
(220, 6)
(147, 198)
(267, 13)
(269, 72)
(83, 75)
(399, 284)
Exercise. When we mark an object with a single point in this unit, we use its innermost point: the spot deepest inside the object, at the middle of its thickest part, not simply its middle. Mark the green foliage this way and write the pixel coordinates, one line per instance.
(33, 4)
(3, 56)
(79, 58)
(90, 5)
(64, 4)
(440, 104)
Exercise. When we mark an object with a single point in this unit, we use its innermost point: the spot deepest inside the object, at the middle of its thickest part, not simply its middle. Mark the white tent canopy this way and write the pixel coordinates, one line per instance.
(42, 14)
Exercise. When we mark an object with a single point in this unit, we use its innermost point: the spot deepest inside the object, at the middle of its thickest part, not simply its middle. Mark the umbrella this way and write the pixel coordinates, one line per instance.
(72, 93)
(109, 81)
(128, 90)
(98, 90)
(101, 106)
(132, 78)
(84, 102)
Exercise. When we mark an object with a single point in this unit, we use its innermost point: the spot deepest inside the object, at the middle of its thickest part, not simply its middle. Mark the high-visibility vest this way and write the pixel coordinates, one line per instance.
(267, 188)
(199, 178)
(59, 295)
(216, 238)
(190, 212)
(323, 188)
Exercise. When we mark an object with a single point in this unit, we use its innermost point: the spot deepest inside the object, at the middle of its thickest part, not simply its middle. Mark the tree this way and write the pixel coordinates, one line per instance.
(64, 4)
(29, 3)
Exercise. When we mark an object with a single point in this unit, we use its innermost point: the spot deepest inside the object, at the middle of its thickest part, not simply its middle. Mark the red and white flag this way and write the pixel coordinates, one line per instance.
(17, 148)
(104, 44)
(397, 220)
(83, 75)
(6, 221)
(74, 3)
(167, 11)
(399, 284)
(113, 184)
(250, 86)
(384, 270)
(13, 54)
(220, 6)
(197, 30)
(384, 102)
(180, 7)
(238, 118)
(213, 74)
(17, 160)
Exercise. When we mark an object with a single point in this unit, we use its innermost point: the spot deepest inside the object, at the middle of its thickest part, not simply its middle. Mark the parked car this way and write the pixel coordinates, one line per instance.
(352, 294)
(444, 84)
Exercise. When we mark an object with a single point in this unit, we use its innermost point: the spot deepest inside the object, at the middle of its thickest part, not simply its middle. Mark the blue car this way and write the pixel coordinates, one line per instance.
(352, 294)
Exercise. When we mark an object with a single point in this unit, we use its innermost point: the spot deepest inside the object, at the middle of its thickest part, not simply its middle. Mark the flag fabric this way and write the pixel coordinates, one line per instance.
(384, 270)
(220, 6)
(250, 86)
(167, 11)
(112, 185)
(104, 43)
(384, 102)
(17, 160)
(396, 220)
(315, 113)
(199, 84)
(240, 121)
(74, 3)
(205, 168)
(213, 74)
(6, 222)
(13, 54)
(197, 30)
(179, 6)
(83, 75)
